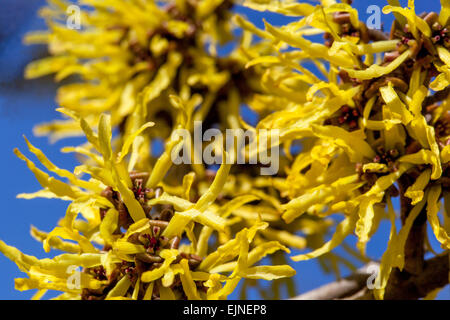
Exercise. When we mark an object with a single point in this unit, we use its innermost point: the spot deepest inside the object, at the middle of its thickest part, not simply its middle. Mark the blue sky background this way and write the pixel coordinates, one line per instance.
(24, 103)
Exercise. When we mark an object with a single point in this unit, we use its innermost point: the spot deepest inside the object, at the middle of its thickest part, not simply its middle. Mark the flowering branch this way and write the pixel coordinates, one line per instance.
(402, 284)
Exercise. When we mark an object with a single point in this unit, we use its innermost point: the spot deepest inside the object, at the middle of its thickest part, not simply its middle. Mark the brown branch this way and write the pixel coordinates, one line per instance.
(340, 289)
(418, 277)
(415, 243)
(405, 286)
(438, 96)
(377, 35)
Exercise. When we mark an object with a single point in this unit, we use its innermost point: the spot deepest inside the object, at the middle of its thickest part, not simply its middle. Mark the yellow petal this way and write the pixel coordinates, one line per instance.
(130, 139)
(269, 272)
(57, 187)
(393, 102)
(47, 66)
(388, 258)
(432, 214)
(216, 187)
(149, 291)
(166, 294)
(169, 256)
(445, 12)
(416, 191)
(109, 225)
(125, 247)
(187, 282)
(366, 216)
(424, 157)
(375, 71)
(120, 289)
(85, 244)
(342, 231)
(23, 261)
(313, 49)
(54, 242)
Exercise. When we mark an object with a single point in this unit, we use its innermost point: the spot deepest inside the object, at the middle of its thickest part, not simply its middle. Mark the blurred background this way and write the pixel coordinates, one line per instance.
(25, 103)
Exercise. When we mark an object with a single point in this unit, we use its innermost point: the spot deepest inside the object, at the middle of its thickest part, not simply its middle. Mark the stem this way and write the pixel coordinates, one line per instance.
(341, 289)
(377, 35)
(404, 286)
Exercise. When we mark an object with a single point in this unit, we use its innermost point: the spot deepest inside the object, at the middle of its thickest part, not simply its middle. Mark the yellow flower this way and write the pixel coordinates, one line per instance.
(127, 53)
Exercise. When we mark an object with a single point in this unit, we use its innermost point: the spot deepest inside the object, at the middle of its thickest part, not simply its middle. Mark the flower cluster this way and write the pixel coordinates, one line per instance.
(368, 110)
(374, 128)
(136, 240)
(129, 53)
(145, 75)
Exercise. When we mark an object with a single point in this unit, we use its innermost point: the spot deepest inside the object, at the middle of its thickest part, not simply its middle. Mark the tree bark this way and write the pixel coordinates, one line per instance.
(402, 285)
